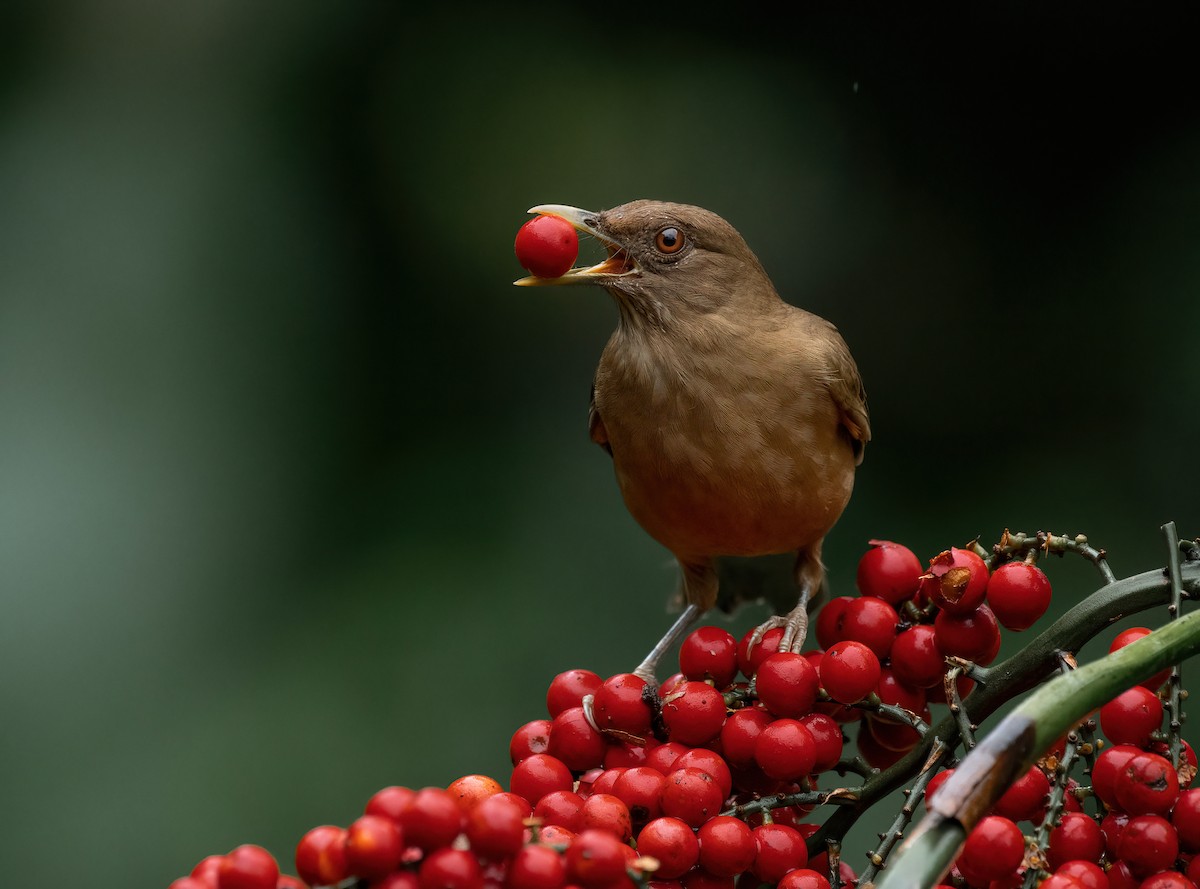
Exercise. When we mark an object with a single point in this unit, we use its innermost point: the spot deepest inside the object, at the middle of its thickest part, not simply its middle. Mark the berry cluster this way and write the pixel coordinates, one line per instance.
(705, 781)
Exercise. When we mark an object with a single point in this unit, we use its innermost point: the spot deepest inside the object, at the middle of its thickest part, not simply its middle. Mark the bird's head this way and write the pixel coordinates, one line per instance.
(665, 260)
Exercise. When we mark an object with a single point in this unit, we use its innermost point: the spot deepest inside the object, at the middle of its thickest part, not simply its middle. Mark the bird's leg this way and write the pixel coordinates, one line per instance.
(684, 623)
(810, 579)
(794, 624)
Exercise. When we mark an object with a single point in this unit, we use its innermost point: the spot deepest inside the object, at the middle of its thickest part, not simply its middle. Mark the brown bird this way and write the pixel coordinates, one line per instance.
(735, 421)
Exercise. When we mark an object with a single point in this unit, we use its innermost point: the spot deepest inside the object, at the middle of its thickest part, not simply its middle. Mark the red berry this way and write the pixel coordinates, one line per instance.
(1108, 765)
(374, 845)
(190, 883)
(1018, 594)
(546, 246)
(574, 742)
(533, 737)
(1147, 785)
(787, 684)
(321, 856)
(432, 819)
(603, 783)
(1076, 837)
(1025, 798)
(640, 788)
(595, 859)
(1168, 879)
(663, 756)
(620, 755)
(726, 846)
(248, 867)
(974, 636)
(673, 843)
(1148, 844)
(1087, 874)
(785, 749)
(957, 581)
(694, 714)
(561, 807)
(749, 658)
(993, 849)
(709, 653)
(400, 879)
(1185, 818)
(604, 811)
(849, 672)
(740, 732)
(890, 572)
(873, 622)
(495, 828)
(618, 706)
(692, 796)
(876, 754)
(450, 869)
(536, 867)
(892, 691)
(827, 735)
(470, 790)
(537, 775)
(778, 850)
(207, 870)
(568, 690)
(896, 736)
(711, 763)
(935, 782)
(830, 619)
(1131, 716)
(1120, 877)
(804, 878)
(916, 658)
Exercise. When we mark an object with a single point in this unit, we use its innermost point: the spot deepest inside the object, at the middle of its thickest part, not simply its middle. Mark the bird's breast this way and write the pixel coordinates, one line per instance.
(728, 452)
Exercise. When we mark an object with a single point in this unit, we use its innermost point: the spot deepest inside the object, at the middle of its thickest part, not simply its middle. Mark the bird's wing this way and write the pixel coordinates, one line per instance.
(596, 425)
(846, 387)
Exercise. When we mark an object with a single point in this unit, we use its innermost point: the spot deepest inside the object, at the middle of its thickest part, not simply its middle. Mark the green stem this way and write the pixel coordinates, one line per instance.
(1014, 745)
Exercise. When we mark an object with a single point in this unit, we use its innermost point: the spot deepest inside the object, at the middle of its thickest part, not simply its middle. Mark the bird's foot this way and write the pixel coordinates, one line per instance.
(683, 623)
(794, 625)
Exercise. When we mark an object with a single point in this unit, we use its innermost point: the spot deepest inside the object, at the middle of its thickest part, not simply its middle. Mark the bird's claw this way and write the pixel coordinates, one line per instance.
(794, 626)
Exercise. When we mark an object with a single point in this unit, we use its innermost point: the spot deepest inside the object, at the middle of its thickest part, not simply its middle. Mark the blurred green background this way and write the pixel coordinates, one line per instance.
(298, 499)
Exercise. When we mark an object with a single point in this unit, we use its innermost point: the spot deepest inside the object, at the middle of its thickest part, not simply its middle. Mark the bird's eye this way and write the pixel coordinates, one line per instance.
(669, 240)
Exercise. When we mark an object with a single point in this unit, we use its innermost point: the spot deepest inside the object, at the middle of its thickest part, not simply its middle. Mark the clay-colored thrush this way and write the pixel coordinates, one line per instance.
(735, 421)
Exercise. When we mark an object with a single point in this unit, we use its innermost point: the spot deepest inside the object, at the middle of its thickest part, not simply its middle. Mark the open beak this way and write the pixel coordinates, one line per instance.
(618, 263)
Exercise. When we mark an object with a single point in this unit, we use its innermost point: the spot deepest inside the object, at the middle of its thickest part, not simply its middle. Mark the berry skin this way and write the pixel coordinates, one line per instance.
(1087, 874)
(207, 870)
(711, 763)
(1131, 716)
(827, 736)
(574, 742)
(916, 658)
(248, 867)
(604, 811)
(561, 807)
(709, 653)
(450, 869)
(935, 782)
(1148, 844)
(830, 619)
(749, 658)
(189, 883)
(787, 685)
(640, 788)
(618, 706)
(804, 878)
(547, 246)
(1108, 765)
(957, 581)
(1167, 880)
(537, 775)
(1018, 594)
(785, 749)
(974, 636)
(433, 819)
(694, 714)
(536, 867)
(888, 571)
(1147, 785)
(739, 734)
(873, 622)
(568, 690)
(778, 850)
(993, 849)
(849, 672)
(1077, 837)
(374, 845)
(692, 796)
(673, 843)
(726, 846)
(533, 737)
(1185, 818)
(596, 858)
(1132, 635)
(1023, 801)
(321, 856)
(470, 790)
(495, 828)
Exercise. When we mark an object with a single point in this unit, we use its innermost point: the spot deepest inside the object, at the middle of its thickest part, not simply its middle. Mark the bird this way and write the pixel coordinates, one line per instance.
(735, 420)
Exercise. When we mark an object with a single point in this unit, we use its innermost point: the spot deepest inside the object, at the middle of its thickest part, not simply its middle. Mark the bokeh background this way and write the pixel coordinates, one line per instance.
(297, 496)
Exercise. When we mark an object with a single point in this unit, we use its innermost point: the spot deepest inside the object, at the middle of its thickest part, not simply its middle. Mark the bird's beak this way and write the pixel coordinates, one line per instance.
(618, 264)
